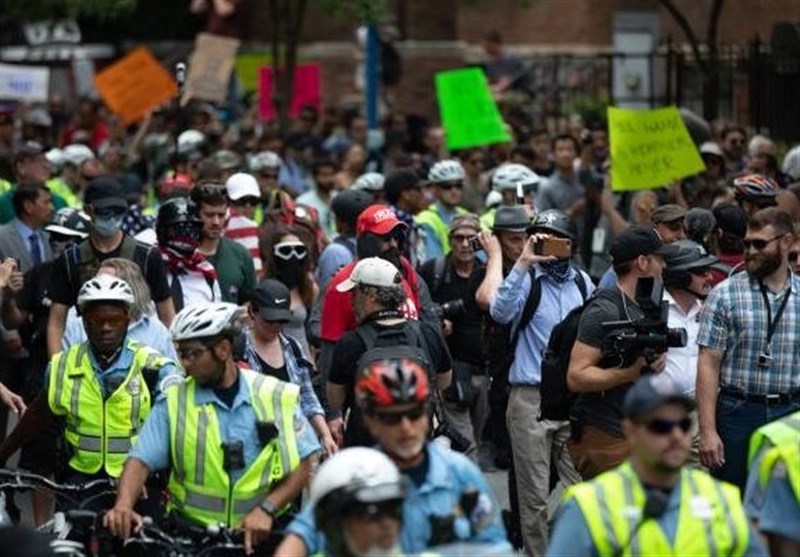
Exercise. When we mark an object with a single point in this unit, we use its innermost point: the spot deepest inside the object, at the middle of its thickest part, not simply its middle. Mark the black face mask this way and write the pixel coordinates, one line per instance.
(290, 273)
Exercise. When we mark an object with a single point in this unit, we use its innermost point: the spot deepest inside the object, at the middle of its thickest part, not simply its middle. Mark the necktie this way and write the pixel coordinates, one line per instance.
(36, 250)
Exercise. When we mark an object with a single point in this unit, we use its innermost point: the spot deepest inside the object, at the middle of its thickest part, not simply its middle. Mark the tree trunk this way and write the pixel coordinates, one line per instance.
(287, 26)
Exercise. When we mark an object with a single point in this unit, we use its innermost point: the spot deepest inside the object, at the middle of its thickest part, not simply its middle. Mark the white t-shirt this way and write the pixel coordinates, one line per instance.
(196, 289)
(682, 362)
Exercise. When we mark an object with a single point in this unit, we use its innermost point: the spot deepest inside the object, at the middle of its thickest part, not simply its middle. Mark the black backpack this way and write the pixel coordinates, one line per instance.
(556, 398)
(392, 342)
(83, 264)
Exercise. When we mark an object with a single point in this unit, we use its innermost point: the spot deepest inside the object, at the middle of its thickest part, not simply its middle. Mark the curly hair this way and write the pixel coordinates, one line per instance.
(389, 297)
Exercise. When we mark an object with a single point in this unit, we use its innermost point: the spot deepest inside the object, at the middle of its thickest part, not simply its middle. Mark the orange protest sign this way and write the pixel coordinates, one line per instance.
(134, 85)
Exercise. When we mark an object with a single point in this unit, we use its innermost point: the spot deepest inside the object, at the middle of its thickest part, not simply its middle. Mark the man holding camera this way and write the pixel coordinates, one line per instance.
(452, 281)
(602, 377)
(748, 370)
(561, 288)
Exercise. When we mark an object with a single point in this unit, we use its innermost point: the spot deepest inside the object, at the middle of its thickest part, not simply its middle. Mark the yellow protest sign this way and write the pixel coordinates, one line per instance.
(650, 148)
(134, 85)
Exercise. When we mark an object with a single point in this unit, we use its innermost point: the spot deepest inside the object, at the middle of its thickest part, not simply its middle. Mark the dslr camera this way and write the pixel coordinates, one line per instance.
(648, 336)
(449, 310)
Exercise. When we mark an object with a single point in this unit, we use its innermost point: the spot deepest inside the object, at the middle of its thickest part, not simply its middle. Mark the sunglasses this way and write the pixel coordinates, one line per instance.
(290, 250)
(376, 511)
(97, 320)
(394, 418)
(461, 238)
(191, 353)
(700, 271)
(760, 244)
(450, 185)
(660, 426)
(249, 200)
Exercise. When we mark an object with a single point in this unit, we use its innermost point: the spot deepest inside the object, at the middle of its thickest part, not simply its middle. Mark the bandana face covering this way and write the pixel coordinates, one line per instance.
(557, 270)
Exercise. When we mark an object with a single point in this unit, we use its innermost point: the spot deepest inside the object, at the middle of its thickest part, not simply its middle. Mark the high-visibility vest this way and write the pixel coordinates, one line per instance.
(431, 217)
(58, 187)
(711, 519)
(100, 431)
(199, 486)
(785, 430)
(789, 456)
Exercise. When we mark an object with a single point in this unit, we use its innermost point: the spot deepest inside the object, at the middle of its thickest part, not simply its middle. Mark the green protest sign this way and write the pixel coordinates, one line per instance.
(650, 148)
(469, 113)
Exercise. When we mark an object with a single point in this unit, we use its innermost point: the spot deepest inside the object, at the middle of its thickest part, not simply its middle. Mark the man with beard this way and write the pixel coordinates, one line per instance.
(748, 371)
(237, 447)
(652, 504)
(322, 193)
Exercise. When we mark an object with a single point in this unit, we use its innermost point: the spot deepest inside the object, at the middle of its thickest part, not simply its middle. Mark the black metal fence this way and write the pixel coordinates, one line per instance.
(758, 88)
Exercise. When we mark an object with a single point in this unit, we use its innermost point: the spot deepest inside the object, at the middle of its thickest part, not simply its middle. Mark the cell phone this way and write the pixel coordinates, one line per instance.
(475, 244)
(557, 247)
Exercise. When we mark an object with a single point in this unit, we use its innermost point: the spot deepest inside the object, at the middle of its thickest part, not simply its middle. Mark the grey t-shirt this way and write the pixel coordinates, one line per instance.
(604, 409)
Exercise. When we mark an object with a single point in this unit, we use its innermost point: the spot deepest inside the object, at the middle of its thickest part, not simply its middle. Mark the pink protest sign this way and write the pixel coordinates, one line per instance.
(307, 87)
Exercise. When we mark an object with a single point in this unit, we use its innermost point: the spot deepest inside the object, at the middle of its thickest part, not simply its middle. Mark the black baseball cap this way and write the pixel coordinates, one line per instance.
(731, 219)
(105, 192)
(347, 205)
(650, 392)
(272, 300)
(635, 241)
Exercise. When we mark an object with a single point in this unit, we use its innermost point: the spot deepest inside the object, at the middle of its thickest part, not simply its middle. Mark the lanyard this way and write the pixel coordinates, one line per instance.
(772, 325)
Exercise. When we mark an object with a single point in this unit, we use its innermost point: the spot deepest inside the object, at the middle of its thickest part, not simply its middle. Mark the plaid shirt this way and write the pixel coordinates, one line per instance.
(298, 371)
(734, 321)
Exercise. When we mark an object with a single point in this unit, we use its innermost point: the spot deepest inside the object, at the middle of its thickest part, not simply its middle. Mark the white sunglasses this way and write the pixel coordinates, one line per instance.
(289, 250)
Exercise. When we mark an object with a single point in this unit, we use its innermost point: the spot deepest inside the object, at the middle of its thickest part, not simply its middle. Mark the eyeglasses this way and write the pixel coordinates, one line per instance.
(450, 185)
(661, 426)
(191, 353)
(97, 320)
(394, 418)
(461, 238)
(249, 200)
(289, 250)
(760, 244)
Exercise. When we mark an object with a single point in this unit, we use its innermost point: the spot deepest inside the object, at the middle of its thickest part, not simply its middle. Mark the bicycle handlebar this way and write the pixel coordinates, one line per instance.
(18, 479)
(211, 538)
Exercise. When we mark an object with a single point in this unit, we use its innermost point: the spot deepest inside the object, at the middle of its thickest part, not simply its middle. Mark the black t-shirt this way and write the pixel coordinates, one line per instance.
(343, 372)
(604, 409)
(465, 342)
(228, 394)
(276, 372)
(66, 291)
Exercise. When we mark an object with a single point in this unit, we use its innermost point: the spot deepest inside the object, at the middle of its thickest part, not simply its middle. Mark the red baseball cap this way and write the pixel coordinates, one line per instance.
(378, 219)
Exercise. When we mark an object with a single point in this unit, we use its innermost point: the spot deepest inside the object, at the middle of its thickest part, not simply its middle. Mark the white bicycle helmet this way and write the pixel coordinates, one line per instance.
(371, 181)
(446, 171)
(510, 175)
(190, 140)
(105, 288)
(77, 154)
(265, 159)
(202, 321)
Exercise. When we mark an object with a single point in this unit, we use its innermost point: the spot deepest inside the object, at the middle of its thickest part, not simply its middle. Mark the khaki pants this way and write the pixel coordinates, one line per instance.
(533, 444)
(469, 421)
(597, 452)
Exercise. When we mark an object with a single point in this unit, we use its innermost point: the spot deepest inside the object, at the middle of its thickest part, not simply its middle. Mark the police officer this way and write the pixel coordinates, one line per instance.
(236, 445)
(652, 503)
(447, 178)
(104, 387)
(448, 500)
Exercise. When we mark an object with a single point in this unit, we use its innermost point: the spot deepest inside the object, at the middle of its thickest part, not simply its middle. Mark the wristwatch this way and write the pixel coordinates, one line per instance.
(269, 507)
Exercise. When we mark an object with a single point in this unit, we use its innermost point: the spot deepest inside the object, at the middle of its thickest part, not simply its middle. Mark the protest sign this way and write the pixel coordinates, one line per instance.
(468, 111)
(135, 85)
(24, 83)
(306, 90)
(210, 68)
(650, 148)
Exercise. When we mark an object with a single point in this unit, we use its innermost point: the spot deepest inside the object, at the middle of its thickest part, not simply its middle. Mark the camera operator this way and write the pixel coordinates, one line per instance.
(452, 283)
(601, 379)
(536, 443)
(687, 281)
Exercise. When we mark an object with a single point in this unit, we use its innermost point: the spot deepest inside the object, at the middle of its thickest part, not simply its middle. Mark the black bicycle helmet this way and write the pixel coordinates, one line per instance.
(554, 221)
(178, 225)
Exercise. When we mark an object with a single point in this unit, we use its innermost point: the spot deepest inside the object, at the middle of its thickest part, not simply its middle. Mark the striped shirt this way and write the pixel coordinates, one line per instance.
(244, 231)
(734, 321)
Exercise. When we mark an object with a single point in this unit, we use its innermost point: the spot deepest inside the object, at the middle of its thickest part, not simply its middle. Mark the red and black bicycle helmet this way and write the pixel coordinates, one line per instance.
(390, 382)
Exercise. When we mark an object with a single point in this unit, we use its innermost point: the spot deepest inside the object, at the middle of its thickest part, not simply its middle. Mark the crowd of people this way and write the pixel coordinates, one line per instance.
(202, 306)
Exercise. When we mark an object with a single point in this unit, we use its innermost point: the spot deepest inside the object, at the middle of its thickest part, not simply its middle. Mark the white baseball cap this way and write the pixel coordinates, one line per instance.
(372, 271)
(241, 185)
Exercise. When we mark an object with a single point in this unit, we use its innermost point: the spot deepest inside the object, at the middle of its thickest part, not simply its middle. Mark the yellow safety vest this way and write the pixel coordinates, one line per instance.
(58, 187)
(100, 431)
(432, 218)
(782, 431)
(199, 486)
(789, 456)
(487, 219)
(5, 186)
(711, 519)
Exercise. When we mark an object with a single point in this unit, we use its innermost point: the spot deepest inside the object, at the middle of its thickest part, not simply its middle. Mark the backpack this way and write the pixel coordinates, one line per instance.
(556, 398)
(83, 264)
(408, 342)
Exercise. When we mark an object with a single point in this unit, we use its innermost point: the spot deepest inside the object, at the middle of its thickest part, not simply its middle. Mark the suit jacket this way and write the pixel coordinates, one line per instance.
(12, 244)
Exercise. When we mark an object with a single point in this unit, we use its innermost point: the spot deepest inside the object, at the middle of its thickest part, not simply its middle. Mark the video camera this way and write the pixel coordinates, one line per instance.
(648, 336)
(449, 310)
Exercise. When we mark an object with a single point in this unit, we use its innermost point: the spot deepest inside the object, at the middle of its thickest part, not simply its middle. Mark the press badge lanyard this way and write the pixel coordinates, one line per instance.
(772, 325)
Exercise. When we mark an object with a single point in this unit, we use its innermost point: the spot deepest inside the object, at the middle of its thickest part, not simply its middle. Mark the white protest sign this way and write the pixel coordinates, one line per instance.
(24, 83)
